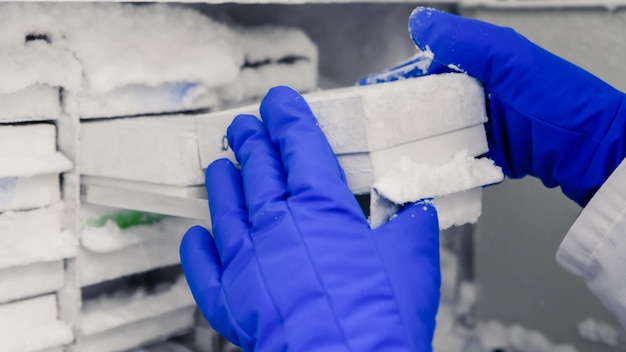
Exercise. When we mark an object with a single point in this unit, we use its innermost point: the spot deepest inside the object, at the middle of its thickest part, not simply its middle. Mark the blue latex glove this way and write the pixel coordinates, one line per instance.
(294, 265)
(548, 117)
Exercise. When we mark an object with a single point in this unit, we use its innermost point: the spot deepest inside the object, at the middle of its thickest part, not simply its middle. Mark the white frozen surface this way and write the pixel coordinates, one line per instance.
(374, 117)
(27, 140)
(494, 334)
(126, 148)
(275, 43)
(26, 166)
(20, 193)
(453, 209)
(109, 252)
(275, 56)
(140, 333)
(409, 181)
(121, 44)
(15, 225)
(34, 236)
(34, 63)
(363, 169)
(36, 338)
(253, 83)
(110, 237)
(140, 100)
(42, 247)
(596, 331)
(34, 103)
(31, 280)
(355, 120)
(433, 150)
(98, 267)
(459, 208)
(32, 325)
(123, 308)
(124, 59)
(28, 150)
(407, 110)
(27, 313)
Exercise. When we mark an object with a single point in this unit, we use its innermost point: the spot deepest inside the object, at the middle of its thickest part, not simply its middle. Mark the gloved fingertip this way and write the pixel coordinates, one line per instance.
(420, 20)
(200, 260)
(279, 99)
(218, 171)
(240, 129)
(282, 92)
(218, 166)
(422, 206)
(196, 239)
(278, 95)
(422, 214)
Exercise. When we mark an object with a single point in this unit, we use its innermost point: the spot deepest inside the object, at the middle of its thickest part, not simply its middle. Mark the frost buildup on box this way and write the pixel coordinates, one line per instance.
(116, 244)
(417, 138)
(272, 56)
(424, 128)
(29, 177)
(131, 317)
(32, 325)
(33, 69)
(128, 60)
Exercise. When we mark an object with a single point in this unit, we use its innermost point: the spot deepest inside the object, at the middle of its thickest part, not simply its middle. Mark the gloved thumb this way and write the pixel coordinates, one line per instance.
(485, 51)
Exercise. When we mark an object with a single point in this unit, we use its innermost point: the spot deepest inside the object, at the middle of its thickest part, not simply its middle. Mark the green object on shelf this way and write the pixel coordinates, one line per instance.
(128, 218)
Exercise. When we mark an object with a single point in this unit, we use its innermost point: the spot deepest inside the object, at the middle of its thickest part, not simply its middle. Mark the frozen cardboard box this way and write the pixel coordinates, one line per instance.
(34, 76)
(273, 55)
(116, 243)
(29, 175)
(121, 319)
(32, 249)
(430, 121)
(126, 59)
(31, 325)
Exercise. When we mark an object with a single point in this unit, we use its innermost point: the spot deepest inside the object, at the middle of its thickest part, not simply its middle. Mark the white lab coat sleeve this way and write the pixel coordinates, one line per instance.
(595, 246)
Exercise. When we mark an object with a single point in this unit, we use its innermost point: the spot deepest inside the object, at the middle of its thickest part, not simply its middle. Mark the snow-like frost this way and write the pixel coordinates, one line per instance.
(121, 44)
(128, 306)
(409, 181)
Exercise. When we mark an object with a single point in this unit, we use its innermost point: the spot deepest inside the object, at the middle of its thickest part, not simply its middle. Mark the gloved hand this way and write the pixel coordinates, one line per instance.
(548, 117)
(294, 265)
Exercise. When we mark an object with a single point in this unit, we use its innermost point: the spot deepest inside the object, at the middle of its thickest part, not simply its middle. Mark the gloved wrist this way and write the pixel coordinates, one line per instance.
(548, 117)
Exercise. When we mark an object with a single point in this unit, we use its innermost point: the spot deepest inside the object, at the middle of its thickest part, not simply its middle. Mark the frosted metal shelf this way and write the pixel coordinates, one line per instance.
(189, 202)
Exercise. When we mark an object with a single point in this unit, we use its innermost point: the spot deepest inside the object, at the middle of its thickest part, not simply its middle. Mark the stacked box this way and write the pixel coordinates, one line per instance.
(33, 242)
(131, 317)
